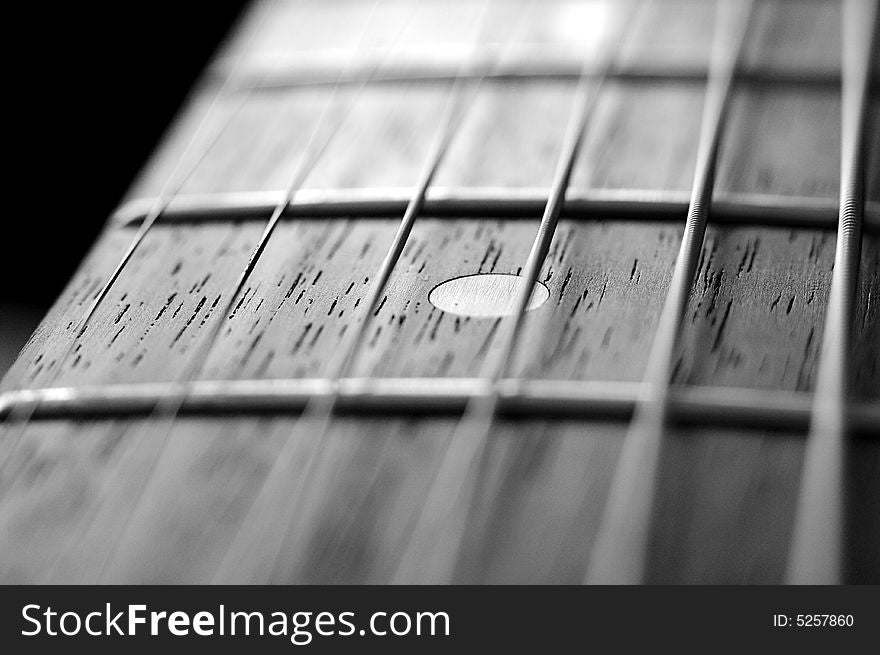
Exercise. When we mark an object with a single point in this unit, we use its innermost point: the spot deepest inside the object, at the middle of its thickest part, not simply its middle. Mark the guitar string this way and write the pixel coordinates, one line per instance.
(619, 552)
(150, 447)
(174, 183)
(273, 515)
(816, 555)
(433, 544)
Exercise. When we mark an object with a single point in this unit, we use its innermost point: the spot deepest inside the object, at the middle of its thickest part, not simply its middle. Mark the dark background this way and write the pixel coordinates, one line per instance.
(93, 87)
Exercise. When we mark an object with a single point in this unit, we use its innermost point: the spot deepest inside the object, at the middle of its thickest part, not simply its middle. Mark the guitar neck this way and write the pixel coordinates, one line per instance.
(514, 292)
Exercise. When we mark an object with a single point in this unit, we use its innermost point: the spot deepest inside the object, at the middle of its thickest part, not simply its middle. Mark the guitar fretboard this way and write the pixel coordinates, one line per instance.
(357, 82)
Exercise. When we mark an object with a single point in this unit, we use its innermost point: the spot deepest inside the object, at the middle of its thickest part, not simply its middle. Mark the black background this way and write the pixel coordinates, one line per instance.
(91, 88)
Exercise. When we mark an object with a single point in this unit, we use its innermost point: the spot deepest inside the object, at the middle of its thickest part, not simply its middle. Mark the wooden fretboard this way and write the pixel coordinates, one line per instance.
(477, 292)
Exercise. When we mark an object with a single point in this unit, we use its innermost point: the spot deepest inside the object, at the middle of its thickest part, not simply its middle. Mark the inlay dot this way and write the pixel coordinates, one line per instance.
(484, 295)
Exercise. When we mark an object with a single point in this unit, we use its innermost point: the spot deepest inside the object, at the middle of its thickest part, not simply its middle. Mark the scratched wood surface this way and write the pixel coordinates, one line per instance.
(138, 500)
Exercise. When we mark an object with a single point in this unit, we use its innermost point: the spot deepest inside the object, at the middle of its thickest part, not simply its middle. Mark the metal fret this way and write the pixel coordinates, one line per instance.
(696, 405)
(524, 62)
(620, 552)
(508, 203)
(816, 554)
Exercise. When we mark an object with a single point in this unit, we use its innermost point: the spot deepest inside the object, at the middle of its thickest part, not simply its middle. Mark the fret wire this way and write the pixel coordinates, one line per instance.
(531, 62)
(697, 405)
(521, 203)
(247, 559)
(619, 554)
(174, 182)
(432, 546)
(816, 555)
(167, 408)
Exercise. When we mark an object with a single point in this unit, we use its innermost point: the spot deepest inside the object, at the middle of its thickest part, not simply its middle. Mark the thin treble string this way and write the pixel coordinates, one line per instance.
(167, 407)
(433, 546)
(174, 182)
(286, 498)
(816, 555)
(620, 551)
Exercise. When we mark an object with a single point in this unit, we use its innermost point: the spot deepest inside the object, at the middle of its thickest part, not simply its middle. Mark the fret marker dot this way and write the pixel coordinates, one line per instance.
(484, 295)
